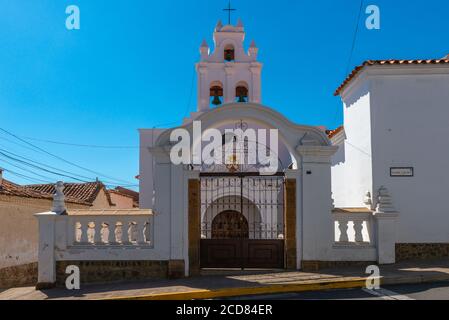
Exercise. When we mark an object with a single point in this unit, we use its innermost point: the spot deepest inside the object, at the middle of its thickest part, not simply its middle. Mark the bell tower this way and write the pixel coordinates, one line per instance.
(229, 73)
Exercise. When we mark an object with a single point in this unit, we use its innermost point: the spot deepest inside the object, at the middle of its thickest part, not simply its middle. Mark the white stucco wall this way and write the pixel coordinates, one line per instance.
(411, 129)
(404, 111)
(351, 172)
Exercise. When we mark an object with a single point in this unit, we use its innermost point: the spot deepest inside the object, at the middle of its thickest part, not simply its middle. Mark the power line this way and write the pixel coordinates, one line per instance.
(45, 165)
(359, 149)
(81, 145)
(33, 164)
(354, 41)
(62, 159)
(40, 168)
(28, 178)
(25, 169)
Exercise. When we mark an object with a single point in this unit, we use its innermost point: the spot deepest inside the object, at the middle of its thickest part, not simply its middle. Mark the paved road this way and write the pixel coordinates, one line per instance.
(433, 291)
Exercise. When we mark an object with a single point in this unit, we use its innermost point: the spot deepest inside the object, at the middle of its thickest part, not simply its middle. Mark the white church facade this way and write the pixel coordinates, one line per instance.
(359, 195)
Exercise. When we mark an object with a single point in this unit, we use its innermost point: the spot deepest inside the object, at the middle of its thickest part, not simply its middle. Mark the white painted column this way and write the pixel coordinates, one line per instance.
(386, 237)
(46, 253)
(162, 206)
(229, 92)
(256, 91)
(203, 89)
(178, 219)
(317, 222)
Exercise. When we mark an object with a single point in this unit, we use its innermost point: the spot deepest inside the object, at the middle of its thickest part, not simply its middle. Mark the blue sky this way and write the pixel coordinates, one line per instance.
(132, 63)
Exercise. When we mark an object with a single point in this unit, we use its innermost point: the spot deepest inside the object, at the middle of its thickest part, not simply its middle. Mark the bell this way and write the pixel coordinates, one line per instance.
(242, 99)
(216, 101)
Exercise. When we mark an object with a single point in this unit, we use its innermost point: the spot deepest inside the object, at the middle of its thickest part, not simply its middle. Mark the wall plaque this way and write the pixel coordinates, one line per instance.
(402, 172)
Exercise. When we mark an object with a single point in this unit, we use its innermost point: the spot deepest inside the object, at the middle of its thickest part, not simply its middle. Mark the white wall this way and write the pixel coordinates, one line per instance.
(406, 111)
(411, 129)
(351, 172)
(148, 138)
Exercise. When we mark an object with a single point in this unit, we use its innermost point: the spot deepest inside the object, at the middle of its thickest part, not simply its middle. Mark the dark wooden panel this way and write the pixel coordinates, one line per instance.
(221, 253)
(264, 253)
(235, 253)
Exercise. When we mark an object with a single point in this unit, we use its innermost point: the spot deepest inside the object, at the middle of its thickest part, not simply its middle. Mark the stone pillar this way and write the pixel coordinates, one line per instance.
(316, 201)
(46, 254)
(385, 217)
(194, 223)
(256, 90)
(229, 89)
(203, 89)
(290, 224)
(162, 205)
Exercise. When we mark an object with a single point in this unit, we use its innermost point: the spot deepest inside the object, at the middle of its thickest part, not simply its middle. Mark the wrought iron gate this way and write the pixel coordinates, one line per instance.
(242, 221)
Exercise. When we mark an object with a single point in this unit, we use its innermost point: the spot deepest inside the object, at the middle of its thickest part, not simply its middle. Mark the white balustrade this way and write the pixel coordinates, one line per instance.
(104, 228)
(353, 228)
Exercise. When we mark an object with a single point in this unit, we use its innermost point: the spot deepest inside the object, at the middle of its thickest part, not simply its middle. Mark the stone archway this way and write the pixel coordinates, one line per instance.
(308, 180)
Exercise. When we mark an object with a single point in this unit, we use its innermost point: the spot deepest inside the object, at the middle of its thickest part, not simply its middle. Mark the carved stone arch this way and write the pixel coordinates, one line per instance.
(290, 134)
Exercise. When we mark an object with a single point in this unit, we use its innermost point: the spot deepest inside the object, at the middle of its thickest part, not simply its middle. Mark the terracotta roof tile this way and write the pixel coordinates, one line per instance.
(358, 69)
(333, 133)
(128, 192)
(12, 189)
(82, 192)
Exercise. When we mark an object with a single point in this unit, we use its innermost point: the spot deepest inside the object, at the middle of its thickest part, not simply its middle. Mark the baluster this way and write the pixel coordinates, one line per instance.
(358, 227)
(140, 232)
(77, 233)
(111, 228)
(97, 233)
(125, 233)
(84, 229)
(343, 227)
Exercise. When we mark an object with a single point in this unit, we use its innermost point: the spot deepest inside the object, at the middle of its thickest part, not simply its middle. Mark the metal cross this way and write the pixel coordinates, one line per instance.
(229, 9)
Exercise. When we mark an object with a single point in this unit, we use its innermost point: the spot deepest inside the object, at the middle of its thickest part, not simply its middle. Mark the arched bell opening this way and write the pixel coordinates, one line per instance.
(241, 93)
(216, 93)
(229, 53)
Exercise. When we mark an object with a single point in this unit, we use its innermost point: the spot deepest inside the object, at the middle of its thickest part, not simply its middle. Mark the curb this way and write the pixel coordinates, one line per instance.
(249, 291)
(320, 285)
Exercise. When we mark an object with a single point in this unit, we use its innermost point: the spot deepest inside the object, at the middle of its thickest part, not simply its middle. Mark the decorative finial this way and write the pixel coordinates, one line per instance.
(204, 44)
(384, 201)
(59, 199)
(219, 25)
(253, 44)
(239, 23)
(368, 201)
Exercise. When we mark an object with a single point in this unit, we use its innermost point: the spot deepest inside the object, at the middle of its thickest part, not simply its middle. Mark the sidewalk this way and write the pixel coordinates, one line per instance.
(215, 284)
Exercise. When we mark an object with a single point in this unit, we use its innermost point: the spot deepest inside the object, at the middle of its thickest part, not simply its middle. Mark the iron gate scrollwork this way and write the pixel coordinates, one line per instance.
(242, 220)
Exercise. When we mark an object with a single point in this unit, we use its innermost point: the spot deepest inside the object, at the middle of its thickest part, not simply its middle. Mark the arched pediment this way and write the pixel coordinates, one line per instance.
(291, 134)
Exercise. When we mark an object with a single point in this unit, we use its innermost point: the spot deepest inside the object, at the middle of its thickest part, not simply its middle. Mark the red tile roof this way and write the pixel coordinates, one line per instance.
(83, 192)
(12, 189)
(358, 69)
(128, 192)
(333, 133)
